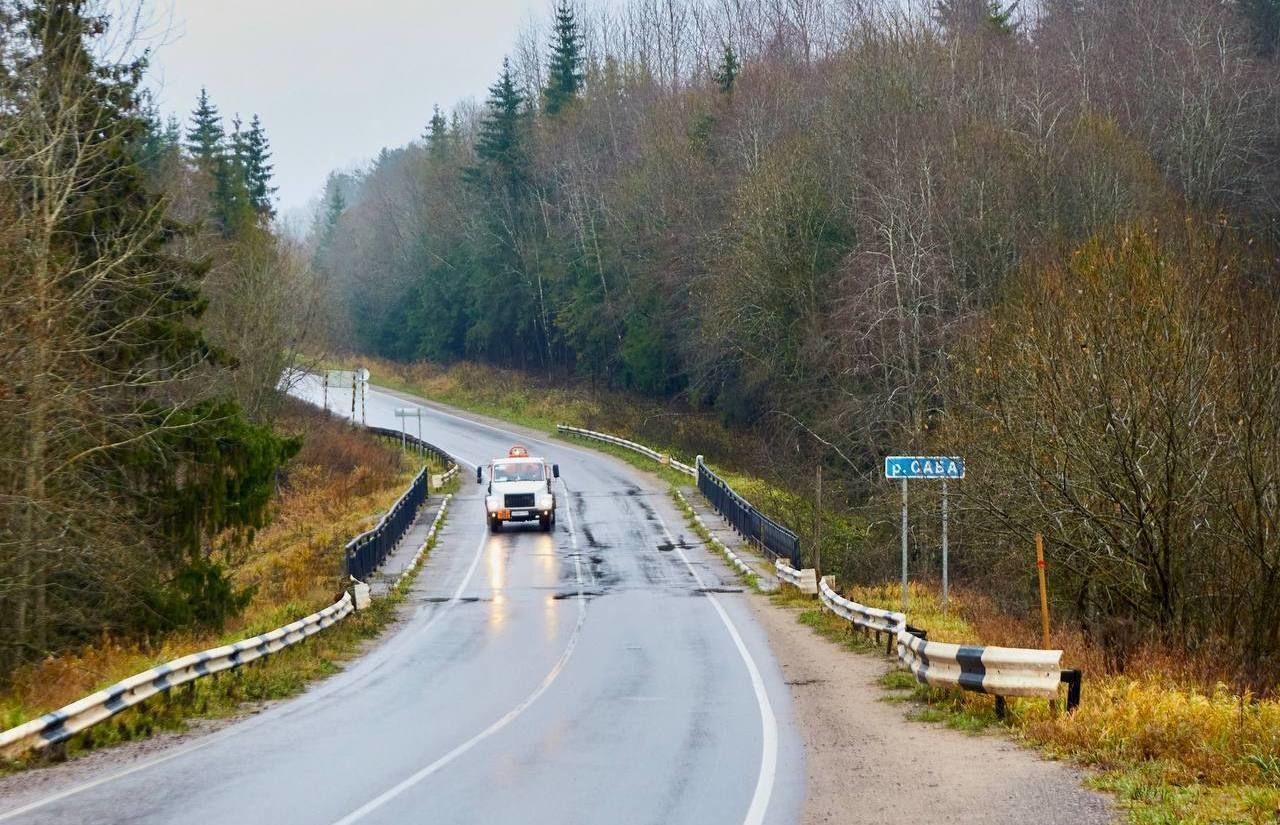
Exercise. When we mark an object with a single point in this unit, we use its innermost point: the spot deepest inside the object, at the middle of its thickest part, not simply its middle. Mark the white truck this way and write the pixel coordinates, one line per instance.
(521, 488)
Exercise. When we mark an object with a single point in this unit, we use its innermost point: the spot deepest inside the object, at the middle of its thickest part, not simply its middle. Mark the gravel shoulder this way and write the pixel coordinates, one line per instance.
(867, 762)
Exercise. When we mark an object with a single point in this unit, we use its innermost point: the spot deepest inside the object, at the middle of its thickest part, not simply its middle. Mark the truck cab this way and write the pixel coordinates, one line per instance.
(521, 488)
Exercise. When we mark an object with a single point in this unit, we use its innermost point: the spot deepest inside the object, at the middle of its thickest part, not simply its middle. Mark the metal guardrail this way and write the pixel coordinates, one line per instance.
(734, 559)
(62, 724)
(661, 458)
(410, 440)
(867, 618)
(805, 580)
(1001, 671)
(750, 523)
(367, 551)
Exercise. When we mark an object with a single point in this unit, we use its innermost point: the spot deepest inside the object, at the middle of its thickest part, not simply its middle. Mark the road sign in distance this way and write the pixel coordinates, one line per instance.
(408, 412)
(340, 378)
(908, 466)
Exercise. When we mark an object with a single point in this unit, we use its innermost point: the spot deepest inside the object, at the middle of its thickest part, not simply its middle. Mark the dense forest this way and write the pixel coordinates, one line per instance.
(146, 313)
(1041, 235)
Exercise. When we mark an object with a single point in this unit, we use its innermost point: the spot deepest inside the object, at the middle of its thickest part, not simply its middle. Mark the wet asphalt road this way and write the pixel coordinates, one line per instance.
(582, 676)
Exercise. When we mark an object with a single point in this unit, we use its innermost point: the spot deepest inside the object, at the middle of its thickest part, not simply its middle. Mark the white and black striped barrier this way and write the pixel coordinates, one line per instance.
(62, 724)
(661, 458)
(805, 580)
(999, 671)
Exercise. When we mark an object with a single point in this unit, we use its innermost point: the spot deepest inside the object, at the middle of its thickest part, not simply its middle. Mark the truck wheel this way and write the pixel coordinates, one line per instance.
(545, 523)
(495, 525)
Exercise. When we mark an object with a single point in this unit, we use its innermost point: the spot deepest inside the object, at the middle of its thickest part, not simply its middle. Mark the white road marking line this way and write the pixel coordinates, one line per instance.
(508, 718)
(462, 586)
(249, 724)
(768, 722)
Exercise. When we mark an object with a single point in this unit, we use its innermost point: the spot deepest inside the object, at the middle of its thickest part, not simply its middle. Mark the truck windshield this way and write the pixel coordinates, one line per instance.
(518, 471)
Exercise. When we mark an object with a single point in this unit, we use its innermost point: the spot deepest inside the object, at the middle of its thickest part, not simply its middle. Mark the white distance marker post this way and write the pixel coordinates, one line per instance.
(902, 468)
(363, 375)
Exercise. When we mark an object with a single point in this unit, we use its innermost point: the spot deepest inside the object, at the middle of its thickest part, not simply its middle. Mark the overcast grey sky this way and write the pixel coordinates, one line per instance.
(334, 80)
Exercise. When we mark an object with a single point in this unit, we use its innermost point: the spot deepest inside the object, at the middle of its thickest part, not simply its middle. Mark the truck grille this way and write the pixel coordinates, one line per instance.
(518, 500)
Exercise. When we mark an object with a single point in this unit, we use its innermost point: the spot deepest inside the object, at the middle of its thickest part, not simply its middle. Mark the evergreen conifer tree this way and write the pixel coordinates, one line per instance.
(115, 314)
(500, 143)
(437, 133)
(564, 76)
(231, 205)
(206, 135)
(335, 203)
(255, 160)
(727, 74)
(957, 16)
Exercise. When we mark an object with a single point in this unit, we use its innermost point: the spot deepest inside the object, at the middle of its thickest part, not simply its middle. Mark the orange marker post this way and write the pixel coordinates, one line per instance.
(1044, 589)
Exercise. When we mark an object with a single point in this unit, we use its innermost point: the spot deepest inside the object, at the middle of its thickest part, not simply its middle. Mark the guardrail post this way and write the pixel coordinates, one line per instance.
(919, 632)
(1001, 708)
(1072, 679)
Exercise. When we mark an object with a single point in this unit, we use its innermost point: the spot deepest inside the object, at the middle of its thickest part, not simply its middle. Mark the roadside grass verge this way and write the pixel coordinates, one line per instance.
(338, 486)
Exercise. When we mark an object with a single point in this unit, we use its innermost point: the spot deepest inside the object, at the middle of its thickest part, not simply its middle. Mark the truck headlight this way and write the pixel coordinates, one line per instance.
(545, 501)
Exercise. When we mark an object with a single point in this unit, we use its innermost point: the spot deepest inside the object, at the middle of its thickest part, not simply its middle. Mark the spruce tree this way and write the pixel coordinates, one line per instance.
(161, 143)
(499, 144)
(206, 135)
(255, 161)
(115, 332)
(231, 207)
(326, 222)
(967, 16)
(564, 75)
(437, 133)
(726, 76)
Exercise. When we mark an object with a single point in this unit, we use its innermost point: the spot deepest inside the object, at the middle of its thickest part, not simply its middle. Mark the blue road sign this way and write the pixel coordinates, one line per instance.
(907, 466)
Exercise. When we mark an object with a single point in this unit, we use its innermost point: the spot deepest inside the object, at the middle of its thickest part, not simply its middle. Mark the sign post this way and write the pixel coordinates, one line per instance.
(409, 412)
(817, 524)
(945, 583)
(362, 374)
(905, 591)
(902, 468)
